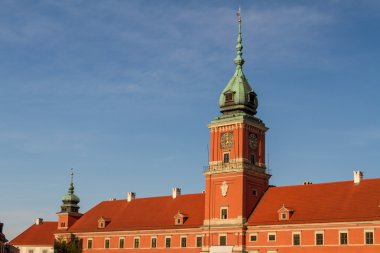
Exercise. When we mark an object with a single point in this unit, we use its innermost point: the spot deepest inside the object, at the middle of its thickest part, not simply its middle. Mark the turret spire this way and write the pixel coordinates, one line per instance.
(238, 97)
(70, 200)
(239, 61)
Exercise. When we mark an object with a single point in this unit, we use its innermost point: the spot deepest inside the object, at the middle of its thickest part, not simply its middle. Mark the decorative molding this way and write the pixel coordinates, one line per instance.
(224, 188)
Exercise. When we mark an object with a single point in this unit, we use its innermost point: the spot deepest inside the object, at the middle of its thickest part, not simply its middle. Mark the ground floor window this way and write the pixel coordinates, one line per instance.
(183, 242)
(222, 240)
(296, 239)
(369, 237)
(319, 239)
(167, 242)
(199, 241)
(343, 238)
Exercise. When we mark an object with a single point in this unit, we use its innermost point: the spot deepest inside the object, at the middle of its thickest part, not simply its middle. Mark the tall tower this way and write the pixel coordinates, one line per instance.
(236, 176)
(69, 213)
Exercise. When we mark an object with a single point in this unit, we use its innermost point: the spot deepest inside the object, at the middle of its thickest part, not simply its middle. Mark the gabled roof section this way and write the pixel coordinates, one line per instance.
(143, 214)
(319, 203)
(37, 235)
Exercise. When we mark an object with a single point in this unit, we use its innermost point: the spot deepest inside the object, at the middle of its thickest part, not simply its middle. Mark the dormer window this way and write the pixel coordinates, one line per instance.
(284, 213)
(180, 218)
(229, 97)
(103, 222)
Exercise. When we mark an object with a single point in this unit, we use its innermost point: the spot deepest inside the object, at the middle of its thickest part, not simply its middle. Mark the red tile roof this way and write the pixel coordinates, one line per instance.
(143, 214)
(41, 235)
(319, 203)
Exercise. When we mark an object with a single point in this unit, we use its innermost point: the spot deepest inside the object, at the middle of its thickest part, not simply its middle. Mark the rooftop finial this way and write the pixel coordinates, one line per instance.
(71, 187)
(239, 61)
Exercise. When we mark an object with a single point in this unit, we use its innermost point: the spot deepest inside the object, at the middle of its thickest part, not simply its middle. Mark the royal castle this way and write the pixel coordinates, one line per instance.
(239, 211)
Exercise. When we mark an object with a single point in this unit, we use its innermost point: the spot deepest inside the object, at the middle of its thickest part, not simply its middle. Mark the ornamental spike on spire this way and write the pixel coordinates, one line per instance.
(239, 61)
(71, 187)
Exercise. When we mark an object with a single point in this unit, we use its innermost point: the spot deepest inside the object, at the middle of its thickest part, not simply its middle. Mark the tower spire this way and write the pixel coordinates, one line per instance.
(239, 61)
(70, 200)
(238, 97)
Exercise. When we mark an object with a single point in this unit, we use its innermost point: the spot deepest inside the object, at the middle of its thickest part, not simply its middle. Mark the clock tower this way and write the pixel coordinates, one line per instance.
(236, 176)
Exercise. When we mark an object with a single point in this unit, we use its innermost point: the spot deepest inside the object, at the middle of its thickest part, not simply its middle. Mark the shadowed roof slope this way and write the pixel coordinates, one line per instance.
(41, 235)
(318, 203)
(143, 214)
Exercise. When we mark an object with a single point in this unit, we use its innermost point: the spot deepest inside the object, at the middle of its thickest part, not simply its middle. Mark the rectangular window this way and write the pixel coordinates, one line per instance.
(253, 238)
(183, 242)
(319, 239)
(89, 244)
(44, 251)
(296, 239)
(229, 97)
(271, 237)
(153, 242)
(226, 157)
(369, 237)
(343, 238)
(121, 243)
(107, 243)
(30, 251)
(136, 243)
(222, 240)
(224, 213)
(199, 241)
(167, 242)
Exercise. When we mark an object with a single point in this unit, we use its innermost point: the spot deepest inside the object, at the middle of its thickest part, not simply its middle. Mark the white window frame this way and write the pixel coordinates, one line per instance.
(122, 238)
(296, 233)
(134, 240)
(109, 242)
(342, 232)
(253, 234)
(196, 241)
(373, 236)
(221, 216)
(220, 235)
(187, 242)
(92, 243)
(151, 240)
(275, 236)
(323, 238)
(171, 242)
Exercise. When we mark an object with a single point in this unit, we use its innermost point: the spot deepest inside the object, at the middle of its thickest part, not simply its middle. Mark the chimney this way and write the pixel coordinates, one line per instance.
(176, 192)
(131, 195)
(307, 182)
(358, 176)
(39, 221)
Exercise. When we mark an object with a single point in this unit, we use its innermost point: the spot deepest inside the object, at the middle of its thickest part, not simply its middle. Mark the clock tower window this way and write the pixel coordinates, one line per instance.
(226, 157)
(253, 160)
(224, 213)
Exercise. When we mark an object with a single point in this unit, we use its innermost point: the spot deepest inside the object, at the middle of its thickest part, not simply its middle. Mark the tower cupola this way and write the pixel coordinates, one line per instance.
(238, 96)
(70, 200)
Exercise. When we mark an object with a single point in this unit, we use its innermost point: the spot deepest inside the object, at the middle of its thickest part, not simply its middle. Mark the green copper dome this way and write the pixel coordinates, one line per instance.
(238, 96)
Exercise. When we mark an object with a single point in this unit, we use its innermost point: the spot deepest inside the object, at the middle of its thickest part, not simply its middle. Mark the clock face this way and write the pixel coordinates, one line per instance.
(226, 140)
(252, 141)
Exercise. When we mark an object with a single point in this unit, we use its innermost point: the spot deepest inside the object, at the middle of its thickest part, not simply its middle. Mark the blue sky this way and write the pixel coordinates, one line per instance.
(122, 91)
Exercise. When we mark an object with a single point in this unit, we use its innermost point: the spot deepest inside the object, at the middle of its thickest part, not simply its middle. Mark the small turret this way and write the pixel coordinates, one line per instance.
(70, 200)
(69, 213)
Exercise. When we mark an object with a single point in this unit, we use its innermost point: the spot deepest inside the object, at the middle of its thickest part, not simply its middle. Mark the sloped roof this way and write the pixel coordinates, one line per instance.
(143, 214)
(319, 203)
(42, 234)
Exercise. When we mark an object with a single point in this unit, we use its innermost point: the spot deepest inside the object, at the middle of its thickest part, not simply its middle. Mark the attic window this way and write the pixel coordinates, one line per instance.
(103, 222)
(229, 97)
(284, 213)
(179, 218)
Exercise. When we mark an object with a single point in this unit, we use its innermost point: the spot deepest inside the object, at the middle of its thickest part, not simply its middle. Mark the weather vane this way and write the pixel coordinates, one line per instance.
(238, 13)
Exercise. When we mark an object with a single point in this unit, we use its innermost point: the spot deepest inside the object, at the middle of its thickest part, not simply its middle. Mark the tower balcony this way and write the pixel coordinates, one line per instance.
(220, 167)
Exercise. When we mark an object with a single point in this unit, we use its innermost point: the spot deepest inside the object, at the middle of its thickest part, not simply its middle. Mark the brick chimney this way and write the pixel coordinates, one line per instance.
(176, 192)
(131, 195)
(358, 176)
